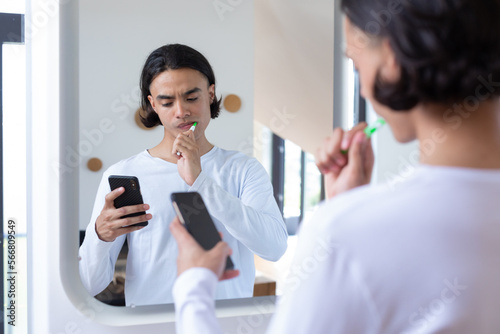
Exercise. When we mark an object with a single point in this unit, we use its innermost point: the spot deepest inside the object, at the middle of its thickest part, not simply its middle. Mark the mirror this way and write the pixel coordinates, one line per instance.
(114, 40)
(116, 37)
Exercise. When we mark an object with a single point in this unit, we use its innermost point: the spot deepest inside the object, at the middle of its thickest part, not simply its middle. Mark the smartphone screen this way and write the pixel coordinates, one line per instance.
(194, 215)
(131, 196)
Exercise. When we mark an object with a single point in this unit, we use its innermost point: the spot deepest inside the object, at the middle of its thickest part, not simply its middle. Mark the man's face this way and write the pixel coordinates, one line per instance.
(180, 98)
(372, 57)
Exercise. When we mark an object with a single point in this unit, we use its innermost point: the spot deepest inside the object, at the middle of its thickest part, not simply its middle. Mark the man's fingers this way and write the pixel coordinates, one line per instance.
(113, 233)
(177, 230)
(131, 220)
(126, 210)
(182, 144)
(223, 248)
(110, 225)
(333, 148)
(189, 133)
(356, 158)
(369, 158)
(191, 254)
(221, 251)
(358, 127)
(110, 197)
(329, 157)
(181, 235)
(349, 135)
(183, 148)
(119, 223)
(228, 274)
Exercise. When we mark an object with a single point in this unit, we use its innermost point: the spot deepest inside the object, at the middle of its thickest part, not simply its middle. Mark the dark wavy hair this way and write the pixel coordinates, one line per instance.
(446, 48)
(172, 57)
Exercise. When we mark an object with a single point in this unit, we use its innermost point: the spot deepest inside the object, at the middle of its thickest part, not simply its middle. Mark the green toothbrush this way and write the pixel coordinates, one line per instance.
(193, 126)
(370, 130)
(190, 129)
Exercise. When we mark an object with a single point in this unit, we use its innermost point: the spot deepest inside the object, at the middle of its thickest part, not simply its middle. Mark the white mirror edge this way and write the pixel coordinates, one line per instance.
(69, 135)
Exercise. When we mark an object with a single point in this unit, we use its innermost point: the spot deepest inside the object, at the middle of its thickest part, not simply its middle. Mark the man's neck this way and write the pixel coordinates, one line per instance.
(164, 149)
(472, 140)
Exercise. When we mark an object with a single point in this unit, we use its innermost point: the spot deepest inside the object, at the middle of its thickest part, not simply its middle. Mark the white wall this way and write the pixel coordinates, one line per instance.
(116, 36)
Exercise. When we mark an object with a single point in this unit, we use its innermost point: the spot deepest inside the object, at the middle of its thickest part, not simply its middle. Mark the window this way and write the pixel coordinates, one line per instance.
(295, 177)
(302, 186)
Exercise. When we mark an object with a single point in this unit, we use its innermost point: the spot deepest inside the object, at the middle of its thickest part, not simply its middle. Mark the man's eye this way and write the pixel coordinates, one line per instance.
(192, 99)
(167, 104)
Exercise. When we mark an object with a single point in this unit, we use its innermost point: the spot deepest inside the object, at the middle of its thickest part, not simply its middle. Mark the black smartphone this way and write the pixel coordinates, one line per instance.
(131, 196)
(194, 215)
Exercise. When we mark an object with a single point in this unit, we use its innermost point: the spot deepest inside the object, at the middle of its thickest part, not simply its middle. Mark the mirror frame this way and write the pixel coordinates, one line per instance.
(69, 207)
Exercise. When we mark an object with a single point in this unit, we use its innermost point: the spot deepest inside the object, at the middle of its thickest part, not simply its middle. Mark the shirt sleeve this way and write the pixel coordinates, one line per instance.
(194, 293)
(97, 257)
(254, 218)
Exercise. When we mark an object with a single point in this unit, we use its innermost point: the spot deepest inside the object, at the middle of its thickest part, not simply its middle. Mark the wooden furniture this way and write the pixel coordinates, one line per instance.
(264, 287)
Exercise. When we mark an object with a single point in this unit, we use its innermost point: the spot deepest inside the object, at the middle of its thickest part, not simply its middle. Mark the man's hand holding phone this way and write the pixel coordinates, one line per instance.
(109, 225)
(192, 255)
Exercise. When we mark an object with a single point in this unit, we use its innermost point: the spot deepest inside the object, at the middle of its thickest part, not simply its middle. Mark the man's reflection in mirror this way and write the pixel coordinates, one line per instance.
(178, 89)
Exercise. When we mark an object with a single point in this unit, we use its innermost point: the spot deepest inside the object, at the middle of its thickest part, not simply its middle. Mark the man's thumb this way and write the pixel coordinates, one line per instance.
(356, 150)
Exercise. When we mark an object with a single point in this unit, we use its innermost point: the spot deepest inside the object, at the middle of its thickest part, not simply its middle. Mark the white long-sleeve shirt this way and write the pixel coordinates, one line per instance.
(420, 257)
(239, 196)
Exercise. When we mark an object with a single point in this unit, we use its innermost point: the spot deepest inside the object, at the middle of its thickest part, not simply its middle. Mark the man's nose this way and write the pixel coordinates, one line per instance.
(181, 111)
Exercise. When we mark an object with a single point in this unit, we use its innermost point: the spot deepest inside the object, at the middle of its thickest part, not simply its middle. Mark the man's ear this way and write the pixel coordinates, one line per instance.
(211, 93)
(390, 69)
(152, 102)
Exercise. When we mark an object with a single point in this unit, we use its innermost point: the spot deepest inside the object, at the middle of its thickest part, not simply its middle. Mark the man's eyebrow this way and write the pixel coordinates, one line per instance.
(170, 97)
(191, 91)
(164, 97)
